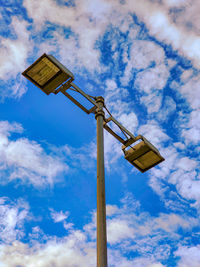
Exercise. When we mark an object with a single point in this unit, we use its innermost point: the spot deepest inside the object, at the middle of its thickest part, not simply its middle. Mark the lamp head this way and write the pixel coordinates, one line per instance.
(143, 155)
(48, 73)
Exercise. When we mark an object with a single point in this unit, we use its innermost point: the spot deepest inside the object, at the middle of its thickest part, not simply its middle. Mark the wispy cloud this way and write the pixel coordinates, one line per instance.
(26, 160)
(59, 216)
(13, 55)
(12, 219)
(189, 256)
(128, 231)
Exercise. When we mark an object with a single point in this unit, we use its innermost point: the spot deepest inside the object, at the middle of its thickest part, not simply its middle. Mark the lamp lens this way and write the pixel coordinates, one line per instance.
(147, 160)
(43, 71)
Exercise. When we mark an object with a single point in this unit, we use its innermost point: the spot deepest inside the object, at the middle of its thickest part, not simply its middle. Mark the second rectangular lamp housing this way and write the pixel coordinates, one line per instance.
(143, 155)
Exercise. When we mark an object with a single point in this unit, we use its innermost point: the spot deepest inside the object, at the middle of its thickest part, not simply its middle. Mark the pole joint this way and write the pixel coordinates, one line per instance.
(100, 105)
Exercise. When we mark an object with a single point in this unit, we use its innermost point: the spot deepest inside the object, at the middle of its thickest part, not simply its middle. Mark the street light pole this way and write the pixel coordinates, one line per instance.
(51, 76)
(101, 202)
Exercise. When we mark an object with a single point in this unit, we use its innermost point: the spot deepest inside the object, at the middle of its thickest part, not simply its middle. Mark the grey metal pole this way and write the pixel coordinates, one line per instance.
(101, 202)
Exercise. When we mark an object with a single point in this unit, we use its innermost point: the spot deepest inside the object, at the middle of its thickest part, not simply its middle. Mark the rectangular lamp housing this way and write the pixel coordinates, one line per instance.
(48, 73)
(143, 156)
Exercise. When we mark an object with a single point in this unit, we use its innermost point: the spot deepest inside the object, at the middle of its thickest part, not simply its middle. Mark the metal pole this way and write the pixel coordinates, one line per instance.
(101, 202)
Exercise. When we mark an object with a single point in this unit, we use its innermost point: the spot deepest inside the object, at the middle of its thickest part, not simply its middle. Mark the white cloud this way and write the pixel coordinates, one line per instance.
(186, 164)
(161, 24)
(59, 216)
(7, 128)
(114, 99)
(152, 101)
(83, 21)
(191, 135)
(79, 51)
(143, 53)
(187, 184)
(187, 75)
(190, 90)
(13, 54)
(128, 230)
(168, 108)
(26, 160)
(71, 250)
(87, 25)
(187, 17)
(58, 253)
(12, 218)
(152, 131)
(179, 145)
(180, 171)
(149, 59)
(117, 230)
(191, 132)
(190, 256)
(152, 78)
(171, 222)
(129, 121)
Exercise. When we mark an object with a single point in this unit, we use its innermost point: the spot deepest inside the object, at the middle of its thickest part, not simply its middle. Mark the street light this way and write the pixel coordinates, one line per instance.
(143, 155)
(48, 73)
(51, 76)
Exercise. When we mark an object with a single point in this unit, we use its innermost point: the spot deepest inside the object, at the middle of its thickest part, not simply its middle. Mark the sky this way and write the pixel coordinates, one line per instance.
(143, 57)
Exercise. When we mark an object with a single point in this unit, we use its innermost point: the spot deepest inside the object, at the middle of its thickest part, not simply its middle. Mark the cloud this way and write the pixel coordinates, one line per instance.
(71, 250)
(57, 254)
(174, 22)
(187, 184)
(25, 159)
(86, 27)
(190, 90)
(8, 128)
(147, 61)
(192, 81)
(189, 256)
(167, 109)
(129, 231)
(118, 230)
(59, 216)
(182, 11)
(113, 97)
(12, 218)
(161, 24)
(143, 53)
(13, 55)
(81, 21)
(186, 164)
(178, 170)
(179, 145)
(191, 133)
(154, 133)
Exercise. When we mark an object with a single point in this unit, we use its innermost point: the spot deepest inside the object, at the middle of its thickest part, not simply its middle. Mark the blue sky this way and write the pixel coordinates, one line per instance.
(143, 57)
